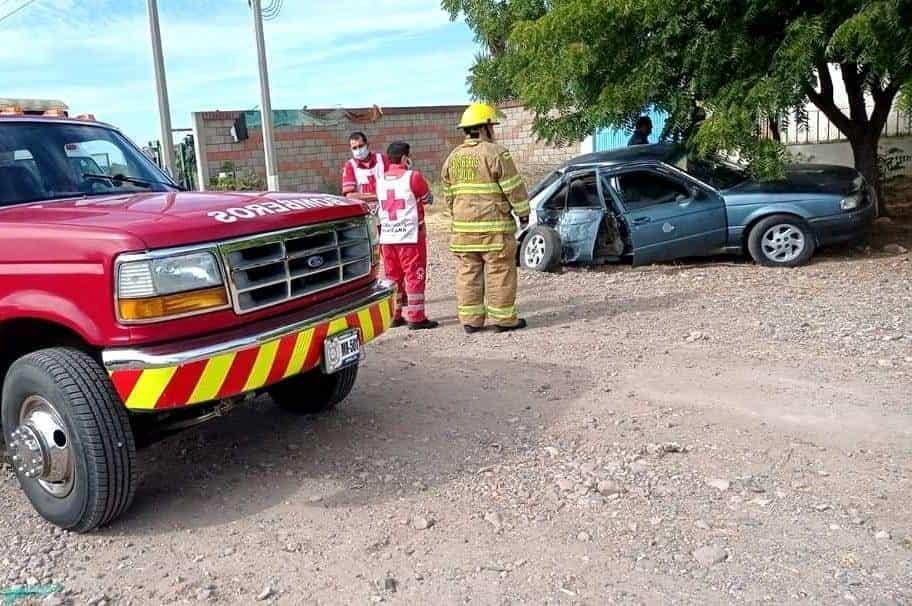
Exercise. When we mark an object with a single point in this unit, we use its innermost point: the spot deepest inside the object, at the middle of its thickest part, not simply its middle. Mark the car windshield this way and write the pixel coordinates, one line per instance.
(50, 160)
(718, 172)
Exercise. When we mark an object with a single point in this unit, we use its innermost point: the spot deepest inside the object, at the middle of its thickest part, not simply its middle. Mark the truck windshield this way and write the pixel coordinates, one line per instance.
(52, 160)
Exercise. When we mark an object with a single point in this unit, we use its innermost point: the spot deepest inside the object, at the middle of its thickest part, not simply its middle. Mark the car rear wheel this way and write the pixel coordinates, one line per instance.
(69, 439)
(541, 249)
(781, 241)
(314, 392)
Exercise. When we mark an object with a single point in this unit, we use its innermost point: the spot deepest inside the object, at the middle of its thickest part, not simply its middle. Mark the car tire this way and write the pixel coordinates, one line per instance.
(781, 241)
(541, 249)
(61, 414)
(314, 392)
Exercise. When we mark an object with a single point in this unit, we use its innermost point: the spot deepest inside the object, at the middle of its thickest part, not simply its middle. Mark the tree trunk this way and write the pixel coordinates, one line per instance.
(773, 126)
(864, 149)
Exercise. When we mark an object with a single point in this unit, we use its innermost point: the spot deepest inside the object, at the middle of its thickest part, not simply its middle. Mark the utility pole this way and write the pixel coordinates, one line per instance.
(164, 109)
(272, 173)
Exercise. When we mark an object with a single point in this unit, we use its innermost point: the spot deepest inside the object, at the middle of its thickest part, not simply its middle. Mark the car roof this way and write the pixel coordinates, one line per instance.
(637, 153)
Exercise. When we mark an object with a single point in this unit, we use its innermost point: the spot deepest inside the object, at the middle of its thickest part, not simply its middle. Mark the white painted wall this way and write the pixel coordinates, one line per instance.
(841, 152)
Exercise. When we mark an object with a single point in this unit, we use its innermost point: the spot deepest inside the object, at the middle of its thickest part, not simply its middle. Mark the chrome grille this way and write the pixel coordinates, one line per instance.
(273, 268)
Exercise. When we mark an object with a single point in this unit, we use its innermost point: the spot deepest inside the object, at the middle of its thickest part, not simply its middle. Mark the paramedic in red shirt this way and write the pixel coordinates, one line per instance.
(402, 193)
(360, 173)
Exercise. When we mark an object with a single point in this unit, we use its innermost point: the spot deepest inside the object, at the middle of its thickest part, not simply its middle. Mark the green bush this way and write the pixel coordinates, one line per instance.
(234, 180)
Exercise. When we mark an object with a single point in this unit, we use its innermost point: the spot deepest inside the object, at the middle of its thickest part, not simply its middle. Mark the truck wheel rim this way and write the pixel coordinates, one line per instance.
(783, 243)
(41, 448)
(535, 250)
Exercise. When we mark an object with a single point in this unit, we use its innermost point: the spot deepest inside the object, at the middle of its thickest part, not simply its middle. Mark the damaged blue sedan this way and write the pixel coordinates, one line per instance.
(651, 203)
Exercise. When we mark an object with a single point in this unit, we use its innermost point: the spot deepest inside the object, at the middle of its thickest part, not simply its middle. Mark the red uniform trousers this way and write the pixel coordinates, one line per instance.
(406, 265)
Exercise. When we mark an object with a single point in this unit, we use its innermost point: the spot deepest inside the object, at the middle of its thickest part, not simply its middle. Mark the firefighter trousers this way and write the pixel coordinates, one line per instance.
(486, 286)
(406, 265)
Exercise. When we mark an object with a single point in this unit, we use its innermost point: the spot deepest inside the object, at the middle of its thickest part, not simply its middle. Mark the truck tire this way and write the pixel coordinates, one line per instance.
(314, 392)
(541, 249)
(70, 439)
(781, 241)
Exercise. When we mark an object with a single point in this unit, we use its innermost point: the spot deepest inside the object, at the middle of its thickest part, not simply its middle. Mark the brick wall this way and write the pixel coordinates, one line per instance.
(310, 158)
(534, 158)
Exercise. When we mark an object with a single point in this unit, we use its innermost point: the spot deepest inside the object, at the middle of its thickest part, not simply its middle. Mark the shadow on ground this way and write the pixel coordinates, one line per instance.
(411, 424)
(548, 312)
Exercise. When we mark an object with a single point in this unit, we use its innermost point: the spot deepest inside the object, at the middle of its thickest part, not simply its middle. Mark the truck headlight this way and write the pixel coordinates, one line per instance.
(158, 288)
(373, 232)
(850, 202)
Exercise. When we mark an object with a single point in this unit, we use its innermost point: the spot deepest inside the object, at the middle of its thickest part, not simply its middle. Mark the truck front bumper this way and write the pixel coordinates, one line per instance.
(244, 360)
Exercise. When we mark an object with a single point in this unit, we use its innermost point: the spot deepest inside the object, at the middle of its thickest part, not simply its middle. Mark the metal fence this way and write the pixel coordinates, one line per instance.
(819, 128)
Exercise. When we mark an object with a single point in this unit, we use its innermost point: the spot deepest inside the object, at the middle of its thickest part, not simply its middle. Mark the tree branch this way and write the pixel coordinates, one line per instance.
(855, 92)
(825, 102)
(883, 103)
(826, 79)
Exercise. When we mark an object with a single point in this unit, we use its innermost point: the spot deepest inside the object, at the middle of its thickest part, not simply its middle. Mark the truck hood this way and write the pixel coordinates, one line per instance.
(165, 219)
(807, 179)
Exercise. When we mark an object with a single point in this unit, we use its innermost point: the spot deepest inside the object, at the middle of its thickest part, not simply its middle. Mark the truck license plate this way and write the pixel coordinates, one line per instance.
(341, 350)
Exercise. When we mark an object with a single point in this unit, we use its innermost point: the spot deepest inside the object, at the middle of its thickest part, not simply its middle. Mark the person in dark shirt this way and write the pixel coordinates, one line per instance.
(642, 132)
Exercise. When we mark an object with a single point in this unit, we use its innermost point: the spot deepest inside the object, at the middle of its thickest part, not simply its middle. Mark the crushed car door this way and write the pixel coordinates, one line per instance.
(583, 213)
(669, 216)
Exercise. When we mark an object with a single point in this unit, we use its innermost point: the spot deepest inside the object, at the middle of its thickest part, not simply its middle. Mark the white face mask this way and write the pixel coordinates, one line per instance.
(361, 153)
(408, 163)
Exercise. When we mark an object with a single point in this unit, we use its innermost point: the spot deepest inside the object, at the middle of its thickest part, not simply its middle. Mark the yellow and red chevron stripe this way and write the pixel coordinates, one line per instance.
(238, 372)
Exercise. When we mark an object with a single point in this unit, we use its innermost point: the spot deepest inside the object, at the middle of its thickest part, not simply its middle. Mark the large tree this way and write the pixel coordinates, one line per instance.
(718, 68)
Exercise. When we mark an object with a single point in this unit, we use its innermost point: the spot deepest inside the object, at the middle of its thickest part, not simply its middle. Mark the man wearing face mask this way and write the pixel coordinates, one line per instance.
(402, 193)
(361, 173)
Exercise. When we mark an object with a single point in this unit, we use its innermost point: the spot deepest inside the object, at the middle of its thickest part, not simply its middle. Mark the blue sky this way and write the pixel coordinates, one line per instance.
(95, 55)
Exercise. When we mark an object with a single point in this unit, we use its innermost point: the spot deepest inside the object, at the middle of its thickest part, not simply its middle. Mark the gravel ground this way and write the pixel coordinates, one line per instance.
(699, 433)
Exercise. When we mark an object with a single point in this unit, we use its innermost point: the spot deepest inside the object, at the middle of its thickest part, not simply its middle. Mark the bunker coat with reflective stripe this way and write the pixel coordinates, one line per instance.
(483, 191)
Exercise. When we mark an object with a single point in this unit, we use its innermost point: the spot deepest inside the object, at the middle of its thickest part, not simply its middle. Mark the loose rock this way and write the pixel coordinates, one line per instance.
(718, 484)
(265, 594)
(422, 523)
(710, 555)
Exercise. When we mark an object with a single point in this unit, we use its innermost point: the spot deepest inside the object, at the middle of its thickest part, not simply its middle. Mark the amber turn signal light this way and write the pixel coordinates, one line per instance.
(155, 308)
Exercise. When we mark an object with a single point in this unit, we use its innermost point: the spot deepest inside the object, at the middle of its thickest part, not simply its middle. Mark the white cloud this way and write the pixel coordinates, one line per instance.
(95, 55)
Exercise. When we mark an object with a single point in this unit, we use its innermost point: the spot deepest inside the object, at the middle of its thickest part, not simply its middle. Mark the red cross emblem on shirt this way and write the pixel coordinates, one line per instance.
(393, 204)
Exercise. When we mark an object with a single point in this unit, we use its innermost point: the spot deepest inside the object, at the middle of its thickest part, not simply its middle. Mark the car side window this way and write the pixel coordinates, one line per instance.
(583, 192)
(641, 189)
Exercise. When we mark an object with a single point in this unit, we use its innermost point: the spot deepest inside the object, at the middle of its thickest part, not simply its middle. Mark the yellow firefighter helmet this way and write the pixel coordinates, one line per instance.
(478, 114)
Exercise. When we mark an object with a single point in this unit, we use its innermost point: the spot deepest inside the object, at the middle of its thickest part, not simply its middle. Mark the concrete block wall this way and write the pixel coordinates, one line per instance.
(310, 158)
(534, 158)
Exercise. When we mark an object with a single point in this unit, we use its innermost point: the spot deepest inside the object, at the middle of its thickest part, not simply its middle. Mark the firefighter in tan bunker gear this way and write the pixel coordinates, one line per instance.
(483, 192)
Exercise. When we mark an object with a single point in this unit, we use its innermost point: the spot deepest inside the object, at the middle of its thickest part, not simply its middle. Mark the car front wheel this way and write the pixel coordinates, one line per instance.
(314, 392)
(541, 249)
(69, 438)
(781, 241)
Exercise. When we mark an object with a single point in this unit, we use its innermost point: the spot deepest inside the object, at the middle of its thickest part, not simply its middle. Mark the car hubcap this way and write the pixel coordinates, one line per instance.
(41, 449)
(783, 243)
(535, 250)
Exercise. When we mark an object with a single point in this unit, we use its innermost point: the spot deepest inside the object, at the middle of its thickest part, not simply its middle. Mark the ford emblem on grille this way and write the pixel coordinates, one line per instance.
(315, 261)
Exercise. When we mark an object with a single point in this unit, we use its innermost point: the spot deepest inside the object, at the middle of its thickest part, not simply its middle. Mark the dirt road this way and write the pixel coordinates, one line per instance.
(703, 433)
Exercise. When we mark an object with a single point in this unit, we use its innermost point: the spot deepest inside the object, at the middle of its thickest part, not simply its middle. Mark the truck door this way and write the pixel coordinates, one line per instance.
(669, 216)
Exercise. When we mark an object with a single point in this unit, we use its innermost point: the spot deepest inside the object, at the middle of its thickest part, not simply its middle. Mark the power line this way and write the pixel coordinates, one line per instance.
(16, 10)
